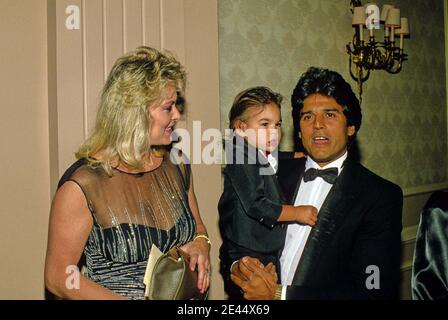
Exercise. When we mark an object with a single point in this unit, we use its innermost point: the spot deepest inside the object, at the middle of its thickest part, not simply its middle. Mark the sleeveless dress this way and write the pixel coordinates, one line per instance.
(130, 213)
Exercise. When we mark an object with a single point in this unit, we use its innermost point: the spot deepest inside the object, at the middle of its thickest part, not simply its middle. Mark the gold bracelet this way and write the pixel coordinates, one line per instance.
(203, 236)
(278, 292)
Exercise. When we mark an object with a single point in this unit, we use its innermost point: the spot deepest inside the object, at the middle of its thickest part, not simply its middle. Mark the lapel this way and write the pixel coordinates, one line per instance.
(238, 151)
(289, 173)
(331, 216)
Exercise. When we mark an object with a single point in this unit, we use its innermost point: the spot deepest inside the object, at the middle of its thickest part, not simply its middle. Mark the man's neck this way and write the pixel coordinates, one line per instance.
(311, 163)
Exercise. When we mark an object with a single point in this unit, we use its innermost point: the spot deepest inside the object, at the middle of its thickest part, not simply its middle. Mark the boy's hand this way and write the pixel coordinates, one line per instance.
(307, 215)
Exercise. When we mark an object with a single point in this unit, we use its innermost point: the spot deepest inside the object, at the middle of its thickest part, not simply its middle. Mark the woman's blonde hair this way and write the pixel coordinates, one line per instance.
(121, 132)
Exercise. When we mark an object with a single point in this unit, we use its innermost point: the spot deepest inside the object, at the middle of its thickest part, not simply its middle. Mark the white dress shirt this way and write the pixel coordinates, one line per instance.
(271, 159)
(310, 193)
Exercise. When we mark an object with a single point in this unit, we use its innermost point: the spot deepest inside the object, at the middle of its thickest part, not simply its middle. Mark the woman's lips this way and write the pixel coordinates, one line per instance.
(170, 129)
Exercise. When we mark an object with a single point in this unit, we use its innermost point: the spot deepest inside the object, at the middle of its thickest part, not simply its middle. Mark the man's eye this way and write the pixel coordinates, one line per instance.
(278, 125)
(306, 117)
(264, 124)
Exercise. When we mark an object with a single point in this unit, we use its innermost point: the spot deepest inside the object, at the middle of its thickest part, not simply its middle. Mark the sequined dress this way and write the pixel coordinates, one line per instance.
(130, 213)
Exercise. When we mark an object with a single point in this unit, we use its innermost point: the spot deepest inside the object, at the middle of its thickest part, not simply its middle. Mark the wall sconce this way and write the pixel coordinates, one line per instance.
(366, 56)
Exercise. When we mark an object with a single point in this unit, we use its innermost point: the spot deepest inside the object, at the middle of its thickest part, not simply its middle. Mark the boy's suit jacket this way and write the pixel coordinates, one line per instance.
(357, 236)
(249, 207)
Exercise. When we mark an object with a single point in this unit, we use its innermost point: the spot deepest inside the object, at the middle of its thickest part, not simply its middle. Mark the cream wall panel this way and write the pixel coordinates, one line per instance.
(173, 27)
(151, 22)
(93, 59)
(25, 177)
(201, 36)
(52, 94)
(70, 78)
(133, 24)
(113, 32)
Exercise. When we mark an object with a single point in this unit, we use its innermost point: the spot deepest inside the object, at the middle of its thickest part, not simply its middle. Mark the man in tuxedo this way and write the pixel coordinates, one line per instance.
(354, 250)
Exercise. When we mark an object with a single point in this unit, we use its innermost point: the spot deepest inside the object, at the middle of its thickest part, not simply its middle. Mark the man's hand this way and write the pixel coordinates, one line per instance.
(236, 271)
(256, 281)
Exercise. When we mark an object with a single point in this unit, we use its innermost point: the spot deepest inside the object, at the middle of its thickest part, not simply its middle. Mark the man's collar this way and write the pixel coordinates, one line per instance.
(338, 163)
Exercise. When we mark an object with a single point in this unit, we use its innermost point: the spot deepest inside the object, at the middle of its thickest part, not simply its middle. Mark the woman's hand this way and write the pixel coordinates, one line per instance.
(198, 250)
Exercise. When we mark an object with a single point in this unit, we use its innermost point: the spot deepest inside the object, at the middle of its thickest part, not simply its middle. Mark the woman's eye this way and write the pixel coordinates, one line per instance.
(330, 115)
(168, 108)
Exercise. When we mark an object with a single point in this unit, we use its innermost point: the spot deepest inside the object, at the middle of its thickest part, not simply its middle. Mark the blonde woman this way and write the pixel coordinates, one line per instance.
(124, 194)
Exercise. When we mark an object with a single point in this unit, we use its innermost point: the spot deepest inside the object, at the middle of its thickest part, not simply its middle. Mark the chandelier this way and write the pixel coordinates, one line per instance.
(365, 52)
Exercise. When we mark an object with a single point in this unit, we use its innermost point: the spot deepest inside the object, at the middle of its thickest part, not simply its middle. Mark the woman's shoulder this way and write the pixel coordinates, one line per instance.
(79, 172)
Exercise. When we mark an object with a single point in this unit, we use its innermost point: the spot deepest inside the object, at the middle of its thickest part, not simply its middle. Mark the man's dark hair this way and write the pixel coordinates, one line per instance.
(328, 83)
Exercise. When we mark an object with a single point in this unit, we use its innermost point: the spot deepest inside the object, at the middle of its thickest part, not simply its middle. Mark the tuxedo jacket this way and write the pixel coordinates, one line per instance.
(249, 208)
(354, 250)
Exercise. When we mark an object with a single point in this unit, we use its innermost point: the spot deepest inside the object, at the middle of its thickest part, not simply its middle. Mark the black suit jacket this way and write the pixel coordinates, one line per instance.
(359, 225)
(249, 207)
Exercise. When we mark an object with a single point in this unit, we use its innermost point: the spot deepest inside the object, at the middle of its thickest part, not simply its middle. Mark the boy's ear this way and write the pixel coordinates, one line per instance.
(240, 126)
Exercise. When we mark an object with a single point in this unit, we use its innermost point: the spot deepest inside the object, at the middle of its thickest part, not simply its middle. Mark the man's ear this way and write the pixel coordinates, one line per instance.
(351, 130)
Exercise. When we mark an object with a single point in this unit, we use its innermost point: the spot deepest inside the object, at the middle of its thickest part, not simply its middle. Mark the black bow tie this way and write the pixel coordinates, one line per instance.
(329, 175)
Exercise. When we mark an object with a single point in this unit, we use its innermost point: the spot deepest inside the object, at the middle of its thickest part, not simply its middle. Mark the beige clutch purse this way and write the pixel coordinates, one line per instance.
(168, 276)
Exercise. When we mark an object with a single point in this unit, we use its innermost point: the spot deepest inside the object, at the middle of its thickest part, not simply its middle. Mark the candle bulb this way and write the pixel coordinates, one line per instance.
(393, 21)
(373, 17)
(359, 19)
(403, 30)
